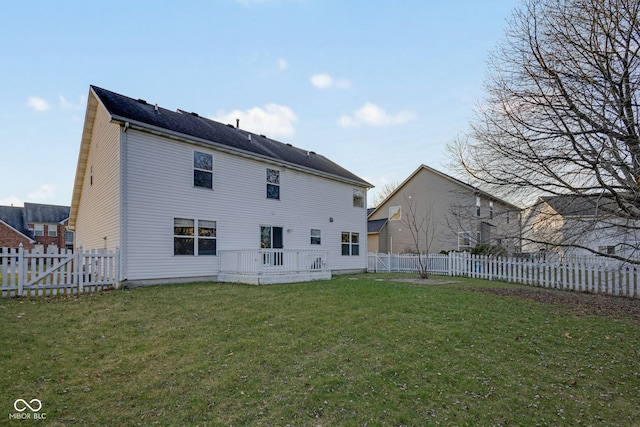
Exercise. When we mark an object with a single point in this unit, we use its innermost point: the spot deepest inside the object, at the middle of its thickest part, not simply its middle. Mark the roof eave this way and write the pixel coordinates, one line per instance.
(83, 156)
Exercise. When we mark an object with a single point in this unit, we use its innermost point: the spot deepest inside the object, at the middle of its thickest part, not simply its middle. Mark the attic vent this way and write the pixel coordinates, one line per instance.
(142, 101)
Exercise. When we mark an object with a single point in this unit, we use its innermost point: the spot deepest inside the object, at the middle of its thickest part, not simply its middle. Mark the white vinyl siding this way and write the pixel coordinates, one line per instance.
(98, 221)
(156, 195)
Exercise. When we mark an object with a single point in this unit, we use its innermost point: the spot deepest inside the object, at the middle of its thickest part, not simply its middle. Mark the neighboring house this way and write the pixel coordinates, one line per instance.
(35, 226)
(446, 215)
(183, 197)
(579, 225)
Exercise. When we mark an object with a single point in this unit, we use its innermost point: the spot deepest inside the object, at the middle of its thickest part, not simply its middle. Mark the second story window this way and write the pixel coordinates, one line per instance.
(490, 210)
(273, 184)
(358, 198)
(478, 206)
(52, 230)
(38, 229)
(202, 170)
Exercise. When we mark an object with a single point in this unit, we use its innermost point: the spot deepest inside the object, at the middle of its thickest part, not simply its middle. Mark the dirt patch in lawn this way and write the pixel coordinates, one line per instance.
(583, 303)
(423, 282)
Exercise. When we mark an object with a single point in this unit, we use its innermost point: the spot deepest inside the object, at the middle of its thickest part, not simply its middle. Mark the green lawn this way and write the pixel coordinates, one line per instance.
(353, 351)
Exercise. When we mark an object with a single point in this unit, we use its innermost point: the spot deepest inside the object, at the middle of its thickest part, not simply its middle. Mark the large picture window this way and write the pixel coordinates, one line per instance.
(202, 170)
(350, 243)
(184, 237)
(273, 184)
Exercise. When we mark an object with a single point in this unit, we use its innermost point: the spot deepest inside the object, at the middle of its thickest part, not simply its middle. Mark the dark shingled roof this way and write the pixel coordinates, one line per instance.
(375, 225)
(124, 108)
(20, 217)
(580, 205)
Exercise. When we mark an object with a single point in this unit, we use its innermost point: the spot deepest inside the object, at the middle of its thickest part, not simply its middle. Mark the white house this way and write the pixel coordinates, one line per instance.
(579, 225)
(186, 198)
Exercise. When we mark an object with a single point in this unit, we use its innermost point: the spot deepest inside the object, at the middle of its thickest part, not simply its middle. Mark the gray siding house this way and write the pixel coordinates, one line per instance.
(451, 216)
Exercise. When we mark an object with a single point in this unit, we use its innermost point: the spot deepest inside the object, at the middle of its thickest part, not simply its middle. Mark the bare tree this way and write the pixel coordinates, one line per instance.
(383, 193)
(421, 222)
(561, 114)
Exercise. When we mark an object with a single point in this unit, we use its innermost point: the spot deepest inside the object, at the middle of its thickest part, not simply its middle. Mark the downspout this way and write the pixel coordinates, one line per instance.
(123, 202)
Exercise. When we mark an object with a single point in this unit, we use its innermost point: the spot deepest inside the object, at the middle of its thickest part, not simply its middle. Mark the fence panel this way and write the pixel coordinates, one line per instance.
(587, 274)
(35, 273)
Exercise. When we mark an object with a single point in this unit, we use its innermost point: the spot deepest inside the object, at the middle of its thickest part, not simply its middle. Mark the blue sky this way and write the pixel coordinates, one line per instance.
(379, 87)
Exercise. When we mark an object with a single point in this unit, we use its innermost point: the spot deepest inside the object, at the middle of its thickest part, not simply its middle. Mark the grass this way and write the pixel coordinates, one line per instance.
(359, 350)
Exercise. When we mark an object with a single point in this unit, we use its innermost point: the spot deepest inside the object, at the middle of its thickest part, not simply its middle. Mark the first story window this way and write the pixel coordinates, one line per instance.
(350, 243)
(184, 237)
(609, 250)
(273, 184)
(315, 236)
(202, 170)
(207, 237)
(464, 240)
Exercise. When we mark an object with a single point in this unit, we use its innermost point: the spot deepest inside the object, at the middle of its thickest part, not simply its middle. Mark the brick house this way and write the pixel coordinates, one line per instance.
(36, 226)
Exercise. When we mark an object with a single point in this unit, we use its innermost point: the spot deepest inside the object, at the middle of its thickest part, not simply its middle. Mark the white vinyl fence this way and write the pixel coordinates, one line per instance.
(593, 275)
(35, 273)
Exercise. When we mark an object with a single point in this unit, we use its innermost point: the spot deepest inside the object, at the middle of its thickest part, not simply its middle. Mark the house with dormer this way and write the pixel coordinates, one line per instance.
(37, 226)
(186, 198)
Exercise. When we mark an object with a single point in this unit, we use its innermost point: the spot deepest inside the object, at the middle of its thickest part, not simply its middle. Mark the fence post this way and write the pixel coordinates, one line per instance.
(117, 272)
(79, 270)
(22, 270)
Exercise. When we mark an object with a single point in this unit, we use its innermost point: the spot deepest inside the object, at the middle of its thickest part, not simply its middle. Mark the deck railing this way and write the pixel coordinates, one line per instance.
(272, 261)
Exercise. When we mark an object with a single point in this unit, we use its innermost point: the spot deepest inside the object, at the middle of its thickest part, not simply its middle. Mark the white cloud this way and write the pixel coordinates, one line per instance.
(282, 64)
(372, 115)
(325, 81)
(273, 120)
(38, 104)
(44, 193)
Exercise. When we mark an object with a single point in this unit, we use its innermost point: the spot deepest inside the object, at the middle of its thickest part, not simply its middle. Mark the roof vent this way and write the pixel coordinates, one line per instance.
(156, 108)
(249, 137)
(142, 101)
(264, 136)
(313, 152)
(289, 145)
(194, 114)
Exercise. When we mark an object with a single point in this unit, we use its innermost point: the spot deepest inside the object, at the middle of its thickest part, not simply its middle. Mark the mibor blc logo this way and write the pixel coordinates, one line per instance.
(27, 410)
